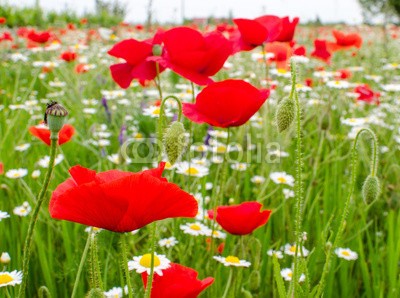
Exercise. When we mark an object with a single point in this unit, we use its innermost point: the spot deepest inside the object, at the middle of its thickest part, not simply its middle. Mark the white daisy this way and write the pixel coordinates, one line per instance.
(3, 215)
(217, 234)
(44, 162)
(290, 249)
(168, 242)
(218, 134)
(276, 253)
(192, 170)
(143, 263)
(35, 174)
(16, 173)
(282, 178)
(288, 193)
(287, 275)
(10, 278)
(346, 253)
(232, 261)
(154, 112)
(115, 292)
(195, 229)
(22, 147)
(239, 166)
(22, 210)
(338, 84)
(257, 179)
(353, 121)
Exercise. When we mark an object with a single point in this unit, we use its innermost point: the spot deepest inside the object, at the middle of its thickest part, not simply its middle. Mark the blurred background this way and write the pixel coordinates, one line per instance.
(179, 11)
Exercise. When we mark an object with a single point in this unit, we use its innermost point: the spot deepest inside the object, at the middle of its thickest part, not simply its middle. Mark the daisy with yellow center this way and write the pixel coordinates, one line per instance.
(346, 253)
(232, 261)
(282, 178)
(143, 264)
(22, 147)
(3, 215)
(154, 112)
(23, 210)
(168, 242)
(290, 249)
(195, 229)
(287, 275)
(16, 173)
(191, 169)
(10, 278)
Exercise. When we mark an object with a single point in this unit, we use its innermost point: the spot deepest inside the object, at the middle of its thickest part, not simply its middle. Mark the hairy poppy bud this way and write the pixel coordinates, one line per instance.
(230, 186)
(95, 293)
(371, 189)
(254, 280)
(285, 114)
(55, 116)
(174, 141)
(157, 50)
(246, 294)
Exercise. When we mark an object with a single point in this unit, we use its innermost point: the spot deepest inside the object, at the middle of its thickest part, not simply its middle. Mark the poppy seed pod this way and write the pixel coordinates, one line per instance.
(174, 141)
(157, 50)
(371, 189)
(55, 116)
(285, 114)
(254, 280)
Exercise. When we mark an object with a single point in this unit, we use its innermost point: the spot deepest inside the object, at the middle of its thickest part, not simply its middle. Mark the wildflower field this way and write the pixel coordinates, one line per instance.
(257, 158)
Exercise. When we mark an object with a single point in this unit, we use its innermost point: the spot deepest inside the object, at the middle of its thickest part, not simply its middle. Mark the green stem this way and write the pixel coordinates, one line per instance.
(265, 65)
(153, 246)
(81, 264)
(161, 118)
(158, 80)
(35, 213)
(345, 213)
(95, 266)
(228, 284)
(124, 264)
(299, 184)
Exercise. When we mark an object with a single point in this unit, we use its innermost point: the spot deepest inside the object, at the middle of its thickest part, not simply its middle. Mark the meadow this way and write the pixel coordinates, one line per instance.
(301, 164)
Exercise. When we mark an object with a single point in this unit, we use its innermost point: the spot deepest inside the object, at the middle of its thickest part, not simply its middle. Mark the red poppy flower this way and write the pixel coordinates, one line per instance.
(119, 201)
(288, 29)
(3, 20)
(81, 68)
(177, 282)
(1, 168)
(6, 36)
(282, 53)
(253, 33)
(42, 132)
(39, 37)
(225, 104)
(365, 93)
(343, 74)
(194, 56)
(299, 51)
(242, 219)
(68, 56)
(345, 41)
(321, 50)
(135, 53)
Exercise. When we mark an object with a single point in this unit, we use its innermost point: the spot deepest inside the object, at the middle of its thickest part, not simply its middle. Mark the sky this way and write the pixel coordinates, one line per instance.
(166, 10)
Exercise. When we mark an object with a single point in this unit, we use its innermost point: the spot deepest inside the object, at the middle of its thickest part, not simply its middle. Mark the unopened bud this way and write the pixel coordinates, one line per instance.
(246, 294)
(285, 114)
(157, 50)
(371, 189)
(254, 280)
(55, 116)
(5, 258)
(230, 186)
(174, 141)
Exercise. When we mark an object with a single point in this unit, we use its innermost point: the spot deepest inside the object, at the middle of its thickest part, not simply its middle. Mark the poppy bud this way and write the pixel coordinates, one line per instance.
(254, 280)
(230, 186)
(157, 50)
(371, 189)
(246, 294)
(174, 141)
(55, 116)
(95, 293)
(285, 114)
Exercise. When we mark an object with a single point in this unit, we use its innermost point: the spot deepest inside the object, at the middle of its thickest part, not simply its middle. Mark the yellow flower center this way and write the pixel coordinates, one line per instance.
(395, 64)
(5, 278)
(282, 180)
(145, 261)
(221, 149)
(195, 227)
(337, 83)
(138, 135)
(281, 70)
(232, 259)
(290, 274)
(192, 171)
(345, 253)
(168, 165)
(156, 111)
(299, 85)
(293, 249)
(16, 175)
